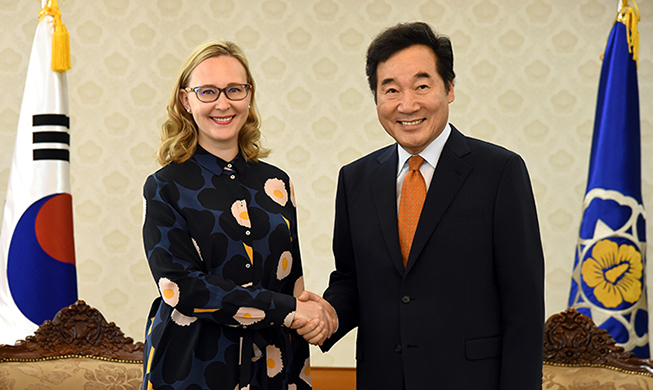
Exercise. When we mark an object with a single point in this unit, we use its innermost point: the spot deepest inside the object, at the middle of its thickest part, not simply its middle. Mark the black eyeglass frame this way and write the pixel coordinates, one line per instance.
(247, 88)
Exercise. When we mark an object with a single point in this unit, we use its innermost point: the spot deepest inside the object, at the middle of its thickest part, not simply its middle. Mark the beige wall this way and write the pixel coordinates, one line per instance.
(527, 79)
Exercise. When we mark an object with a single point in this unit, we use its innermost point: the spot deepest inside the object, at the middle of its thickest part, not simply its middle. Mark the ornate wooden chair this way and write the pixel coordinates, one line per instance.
(77, 349)
(579, 355)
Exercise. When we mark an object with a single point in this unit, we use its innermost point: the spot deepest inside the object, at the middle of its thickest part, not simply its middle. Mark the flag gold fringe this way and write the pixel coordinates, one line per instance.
(630, 17)
(60, 39)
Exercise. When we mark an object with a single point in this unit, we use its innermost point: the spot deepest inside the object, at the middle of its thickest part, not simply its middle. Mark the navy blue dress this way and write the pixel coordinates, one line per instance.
(221, 242)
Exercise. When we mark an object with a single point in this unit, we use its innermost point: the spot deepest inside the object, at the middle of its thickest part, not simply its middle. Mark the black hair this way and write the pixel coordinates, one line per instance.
(402, 36)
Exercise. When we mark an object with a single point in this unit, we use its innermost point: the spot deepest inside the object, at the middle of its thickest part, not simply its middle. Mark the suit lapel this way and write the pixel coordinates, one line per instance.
(450, 174)
(383, 181)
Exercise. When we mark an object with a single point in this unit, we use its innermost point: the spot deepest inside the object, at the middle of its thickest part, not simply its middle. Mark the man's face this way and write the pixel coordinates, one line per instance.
(412, 101)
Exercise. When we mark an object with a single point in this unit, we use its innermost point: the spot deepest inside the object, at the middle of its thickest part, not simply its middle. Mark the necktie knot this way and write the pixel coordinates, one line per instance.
(415, 162)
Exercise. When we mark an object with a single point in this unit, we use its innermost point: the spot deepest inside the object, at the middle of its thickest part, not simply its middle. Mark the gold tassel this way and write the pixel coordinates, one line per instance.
(60, 61)
(60, 48)
(630, 16)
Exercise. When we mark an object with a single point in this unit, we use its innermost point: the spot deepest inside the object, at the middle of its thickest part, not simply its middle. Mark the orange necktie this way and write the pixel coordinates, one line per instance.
(413, 193)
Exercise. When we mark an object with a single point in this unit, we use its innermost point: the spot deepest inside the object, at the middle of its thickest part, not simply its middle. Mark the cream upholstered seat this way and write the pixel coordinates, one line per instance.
(578, 355)
(78, 349)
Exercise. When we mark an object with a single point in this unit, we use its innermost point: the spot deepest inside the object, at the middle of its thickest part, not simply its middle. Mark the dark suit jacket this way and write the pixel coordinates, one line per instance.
(468, 310)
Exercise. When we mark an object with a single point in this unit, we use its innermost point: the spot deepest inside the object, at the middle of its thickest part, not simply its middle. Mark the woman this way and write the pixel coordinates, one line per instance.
(220, 233)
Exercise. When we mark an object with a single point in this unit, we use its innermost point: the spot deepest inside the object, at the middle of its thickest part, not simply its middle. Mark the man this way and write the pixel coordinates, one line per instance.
(460, 305)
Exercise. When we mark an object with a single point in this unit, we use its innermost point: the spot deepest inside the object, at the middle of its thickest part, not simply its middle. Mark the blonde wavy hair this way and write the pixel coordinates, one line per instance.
(179, 134)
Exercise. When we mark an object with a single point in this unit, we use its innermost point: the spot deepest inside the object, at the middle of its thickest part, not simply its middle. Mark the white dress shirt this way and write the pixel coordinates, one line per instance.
(430, 154)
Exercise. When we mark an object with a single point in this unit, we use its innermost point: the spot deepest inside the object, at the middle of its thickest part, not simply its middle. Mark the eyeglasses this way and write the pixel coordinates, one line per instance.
(233, 92)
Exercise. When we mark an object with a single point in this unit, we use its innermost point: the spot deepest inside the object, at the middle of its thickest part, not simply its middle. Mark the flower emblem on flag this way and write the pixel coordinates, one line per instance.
(609, 278)
(614, 273)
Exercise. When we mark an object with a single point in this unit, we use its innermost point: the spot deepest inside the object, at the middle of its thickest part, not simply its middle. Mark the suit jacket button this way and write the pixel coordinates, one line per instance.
(405, 299)
(398, 348)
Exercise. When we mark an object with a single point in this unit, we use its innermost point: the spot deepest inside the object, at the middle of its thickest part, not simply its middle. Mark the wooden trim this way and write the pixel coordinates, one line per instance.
(333, 378)
(78, 330)
(573, 340)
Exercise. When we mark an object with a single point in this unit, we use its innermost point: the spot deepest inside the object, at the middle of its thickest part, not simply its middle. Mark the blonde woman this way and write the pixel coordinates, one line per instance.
(220, 234)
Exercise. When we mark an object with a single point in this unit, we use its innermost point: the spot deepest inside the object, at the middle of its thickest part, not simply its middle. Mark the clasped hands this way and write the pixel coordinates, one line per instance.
(315, 318)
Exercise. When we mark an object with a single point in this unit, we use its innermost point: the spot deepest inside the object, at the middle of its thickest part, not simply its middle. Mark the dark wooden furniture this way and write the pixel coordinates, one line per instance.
(78, 330)
(572, 339)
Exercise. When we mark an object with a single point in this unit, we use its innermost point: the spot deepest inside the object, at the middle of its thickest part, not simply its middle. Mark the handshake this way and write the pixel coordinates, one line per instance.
(315, 318)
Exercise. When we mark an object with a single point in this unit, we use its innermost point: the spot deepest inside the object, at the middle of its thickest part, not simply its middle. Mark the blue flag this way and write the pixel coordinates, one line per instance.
(608, 281)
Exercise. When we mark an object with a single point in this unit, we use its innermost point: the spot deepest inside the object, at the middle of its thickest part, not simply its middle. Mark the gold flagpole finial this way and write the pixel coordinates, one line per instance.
(630, 17)
(60, 39)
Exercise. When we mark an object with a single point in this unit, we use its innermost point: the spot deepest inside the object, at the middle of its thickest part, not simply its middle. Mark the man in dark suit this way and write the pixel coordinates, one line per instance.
(458, 302)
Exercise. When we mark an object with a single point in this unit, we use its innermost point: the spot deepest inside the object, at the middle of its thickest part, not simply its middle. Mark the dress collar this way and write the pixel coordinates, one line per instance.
(431, 153)
(216, 164)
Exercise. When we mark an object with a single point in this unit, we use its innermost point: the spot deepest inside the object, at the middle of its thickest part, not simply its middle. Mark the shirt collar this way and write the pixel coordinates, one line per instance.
(216, 164)
(430, 154)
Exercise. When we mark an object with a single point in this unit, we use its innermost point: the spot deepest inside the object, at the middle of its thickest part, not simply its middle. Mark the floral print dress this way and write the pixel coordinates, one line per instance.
(221, 242)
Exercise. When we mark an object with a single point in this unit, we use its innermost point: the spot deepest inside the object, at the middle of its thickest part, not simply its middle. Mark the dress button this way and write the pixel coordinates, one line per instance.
(398, 348)
(247, 232)
(229, 165)
(232, 177)
(248, 265)
(405, 299)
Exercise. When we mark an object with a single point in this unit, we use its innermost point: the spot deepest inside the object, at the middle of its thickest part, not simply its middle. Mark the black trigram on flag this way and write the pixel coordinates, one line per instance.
(51, 145)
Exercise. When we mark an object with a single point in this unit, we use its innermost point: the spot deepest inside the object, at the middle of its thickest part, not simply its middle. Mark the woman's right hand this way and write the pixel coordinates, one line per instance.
(313, 320)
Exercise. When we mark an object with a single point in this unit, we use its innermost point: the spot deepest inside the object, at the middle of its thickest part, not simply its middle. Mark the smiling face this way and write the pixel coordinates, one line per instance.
(412, 101)
(218, 122)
